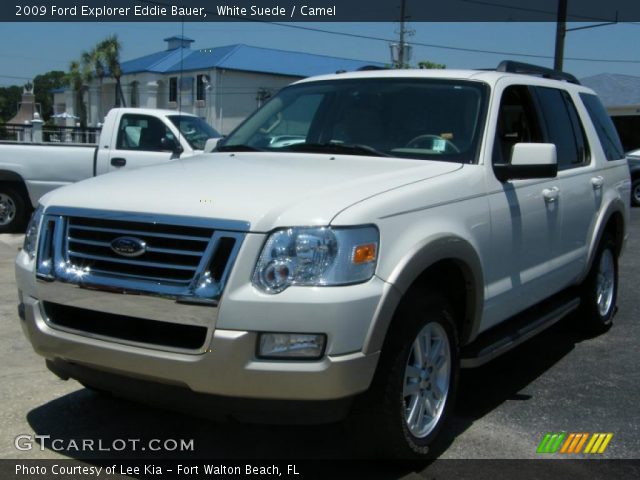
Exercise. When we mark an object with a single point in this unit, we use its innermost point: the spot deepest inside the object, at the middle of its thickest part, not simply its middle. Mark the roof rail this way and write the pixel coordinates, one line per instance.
(370, 67)
(529, 69)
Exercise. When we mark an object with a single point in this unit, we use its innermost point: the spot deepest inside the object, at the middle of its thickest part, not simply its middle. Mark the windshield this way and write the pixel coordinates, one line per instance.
(399, 117)
(195, 130)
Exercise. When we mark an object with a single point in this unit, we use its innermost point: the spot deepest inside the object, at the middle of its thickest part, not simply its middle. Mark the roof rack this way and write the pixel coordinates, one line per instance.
(528, 69)
(366, 68)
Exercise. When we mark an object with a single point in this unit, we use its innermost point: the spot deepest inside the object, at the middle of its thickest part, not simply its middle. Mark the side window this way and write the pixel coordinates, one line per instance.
(142, 132)
(517, 122)
(173, 89)
(604, 127)
(563, 127)
(578, 129)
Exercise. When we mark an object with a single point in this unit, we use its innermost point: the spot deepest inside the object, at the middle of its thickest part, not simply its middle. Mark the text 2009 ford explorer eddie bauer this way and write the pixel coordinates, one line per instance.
(130, 137)
(362, 236)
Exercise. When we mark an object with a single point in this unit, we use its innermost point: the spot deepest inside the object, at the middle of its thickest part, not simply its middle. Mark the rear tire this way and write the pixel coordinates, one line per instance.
(415, 385)
(599, 291)
(14, 211)
(635, 193)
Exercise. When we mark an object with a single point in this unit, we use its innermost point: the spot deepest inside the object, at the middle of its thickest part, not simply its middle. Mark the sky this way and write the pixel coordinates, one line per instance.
(28, 49)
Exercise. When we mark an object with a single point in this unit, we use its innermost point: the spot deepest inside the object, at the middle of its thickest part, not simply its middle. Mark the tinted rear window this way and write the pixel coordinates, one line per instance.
(604, 127)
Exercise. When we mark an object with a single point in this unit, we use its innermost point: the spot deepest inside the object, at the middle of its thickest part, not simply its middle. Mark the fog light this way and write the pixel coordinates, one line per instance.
(291, 345)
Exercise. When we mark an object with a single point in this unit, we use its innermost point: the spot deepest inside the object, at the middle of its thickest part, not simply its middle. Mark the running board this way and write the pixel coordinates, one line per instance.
(522, 327)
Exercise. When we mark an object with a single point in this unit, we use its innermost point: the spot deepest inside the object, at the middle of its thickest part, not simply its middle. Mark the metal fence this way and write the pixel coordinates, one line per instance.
(15, 132)
(38, 133)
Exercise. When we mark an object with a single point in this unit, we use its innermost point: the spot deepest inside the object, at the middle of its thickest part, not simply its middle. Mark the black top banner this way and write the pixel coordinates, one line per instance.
(318, 10)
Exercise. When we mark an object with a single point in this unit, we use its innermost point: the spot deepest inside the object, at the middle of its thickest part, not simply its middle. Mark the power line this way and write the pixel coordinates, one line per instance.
(421, 44)
(552, 14)
(450, 47)
(15, 78)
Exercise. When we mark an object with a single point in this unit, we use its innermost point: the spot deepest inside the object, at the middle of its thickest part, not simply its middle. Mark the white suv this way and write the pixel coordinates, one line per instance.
(360, 237)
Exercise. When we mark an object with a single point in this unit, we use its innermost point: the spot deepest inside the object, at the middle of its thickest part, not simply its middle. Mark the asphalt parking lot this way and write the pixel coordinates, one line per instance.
(559, 381)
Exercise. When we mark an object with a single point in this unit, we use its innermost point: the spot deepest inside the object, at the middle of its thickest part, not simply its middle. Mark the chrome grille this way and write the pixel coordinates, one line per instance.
(173, 253)
(188, 259)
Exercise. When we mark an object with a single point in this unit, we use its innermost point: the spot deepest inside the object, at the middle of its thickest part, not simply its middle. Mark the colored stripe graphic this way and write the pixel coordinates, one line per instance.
(598, 443)
(551, 442)
(572, 443)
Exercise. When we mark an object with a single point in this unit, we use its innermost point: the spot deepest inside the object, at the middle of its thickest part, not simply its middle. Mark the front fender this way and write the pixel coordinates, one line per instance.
(426, 253)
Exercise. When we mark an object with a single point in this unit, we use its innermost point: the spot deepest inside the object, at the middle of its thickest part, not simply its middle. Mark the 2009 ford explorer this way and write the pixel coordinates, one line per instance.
(349, 247)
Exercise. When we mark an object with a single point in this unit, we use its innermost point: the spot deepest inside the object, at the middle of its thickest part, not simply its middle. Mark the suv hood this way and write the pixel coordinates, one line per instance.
(267, 190)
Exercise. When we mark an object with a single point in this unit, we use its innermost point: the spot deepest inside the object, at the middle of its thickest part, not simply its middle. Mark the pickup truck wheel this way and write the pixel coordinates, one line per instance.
(600, 290)
(415, 385)
(13, 210)
(635, 193)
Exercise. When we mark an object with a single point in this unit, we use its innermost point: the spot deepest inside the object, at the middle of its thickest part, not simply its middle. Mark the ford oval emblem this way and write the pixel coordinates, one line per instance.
(128, 246)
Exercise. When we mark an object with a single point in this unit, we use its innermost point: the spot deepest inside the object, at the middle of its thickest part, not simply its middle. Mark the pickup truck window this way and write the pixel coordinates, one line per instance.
(400, 117)
(142, 132)
(563, 127)
(195, 130)
(604, 127)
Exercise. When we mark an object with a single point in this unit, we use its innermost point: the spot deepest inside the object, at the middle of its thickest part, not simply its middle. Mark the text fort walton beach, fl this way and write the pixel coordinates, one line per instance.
(151, 469)
(174, 11)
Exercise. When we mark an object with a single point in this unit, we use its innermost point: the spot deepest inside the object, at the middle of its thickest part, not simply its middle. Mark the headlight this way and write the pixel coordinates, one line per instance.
(316, 256)
(31, 236)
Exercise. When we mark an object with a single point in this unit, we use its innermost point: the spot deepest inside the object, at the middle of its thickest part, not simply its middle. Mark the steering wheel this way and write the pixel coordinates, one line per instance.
(415, 142)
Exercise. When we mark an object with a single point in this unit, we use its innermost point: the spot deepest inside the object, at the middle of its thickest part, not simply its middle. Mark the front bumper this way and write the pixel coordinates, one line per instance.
(228, 366)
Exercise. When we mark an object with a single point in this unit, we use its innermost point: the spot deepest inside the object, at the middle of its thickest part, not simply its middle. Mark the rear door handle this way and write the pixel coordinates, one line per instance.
(550, 194)
(597, 182)
(118, 162)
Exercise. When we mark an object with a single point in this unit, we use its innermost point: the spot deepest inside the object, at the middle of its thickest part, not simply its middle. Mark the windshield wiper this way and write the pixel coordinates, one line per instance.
(237, 148)
(340, 148)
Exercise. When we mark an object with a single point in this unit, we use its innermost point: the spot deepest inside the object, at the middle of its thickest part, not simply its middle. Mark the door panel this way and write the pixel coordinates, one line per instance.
(525, 217)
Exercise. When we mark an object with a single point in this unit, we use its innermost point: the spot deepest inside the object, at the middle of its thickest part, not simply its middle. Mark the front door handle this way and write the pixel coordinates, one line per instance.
(597, 182)
(550, 194)
(118, 162)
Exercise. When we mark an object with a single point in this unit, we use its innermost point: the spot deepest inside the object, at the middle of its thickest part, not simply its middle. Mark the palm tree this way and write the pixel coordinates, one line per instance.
(75, 79)
(101, 62)
(109, 50)
(94, 67)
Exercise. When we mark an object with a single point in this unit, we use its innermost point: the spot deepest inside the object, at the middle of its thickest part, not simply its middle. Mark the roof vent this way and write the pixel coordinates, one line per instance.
(178, 41)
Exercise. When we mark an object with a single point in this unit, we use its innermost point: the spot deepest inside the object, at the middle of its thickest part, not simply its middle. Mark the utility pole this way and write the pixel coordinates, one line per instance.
(561, 31)
(401, 51)
(403, 6)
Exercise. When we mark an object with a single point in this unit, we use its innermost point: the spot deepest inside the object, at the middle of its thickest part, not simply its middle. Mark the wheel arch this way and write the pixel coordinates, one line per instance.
(10, 176)
(612, 222)
(448, 263)
(14, 179)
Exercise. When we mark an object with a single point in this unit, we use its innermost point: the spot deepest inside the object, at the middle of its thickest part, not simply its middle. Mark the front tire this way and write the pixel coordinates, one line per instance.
(415, 386)
(600, 289)
(13, 210)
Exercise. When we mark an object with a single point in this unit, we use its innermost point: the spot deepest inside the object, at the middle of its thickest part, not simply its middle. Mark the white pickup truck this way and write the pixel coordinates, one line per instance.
(350, 246)
(130, 137)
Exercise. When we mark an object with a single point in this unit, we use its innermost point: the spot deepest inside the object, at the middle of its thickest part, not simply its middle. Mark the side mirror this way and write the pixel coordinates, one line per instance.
(211, 144)
(172, 145)
(529, 160)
